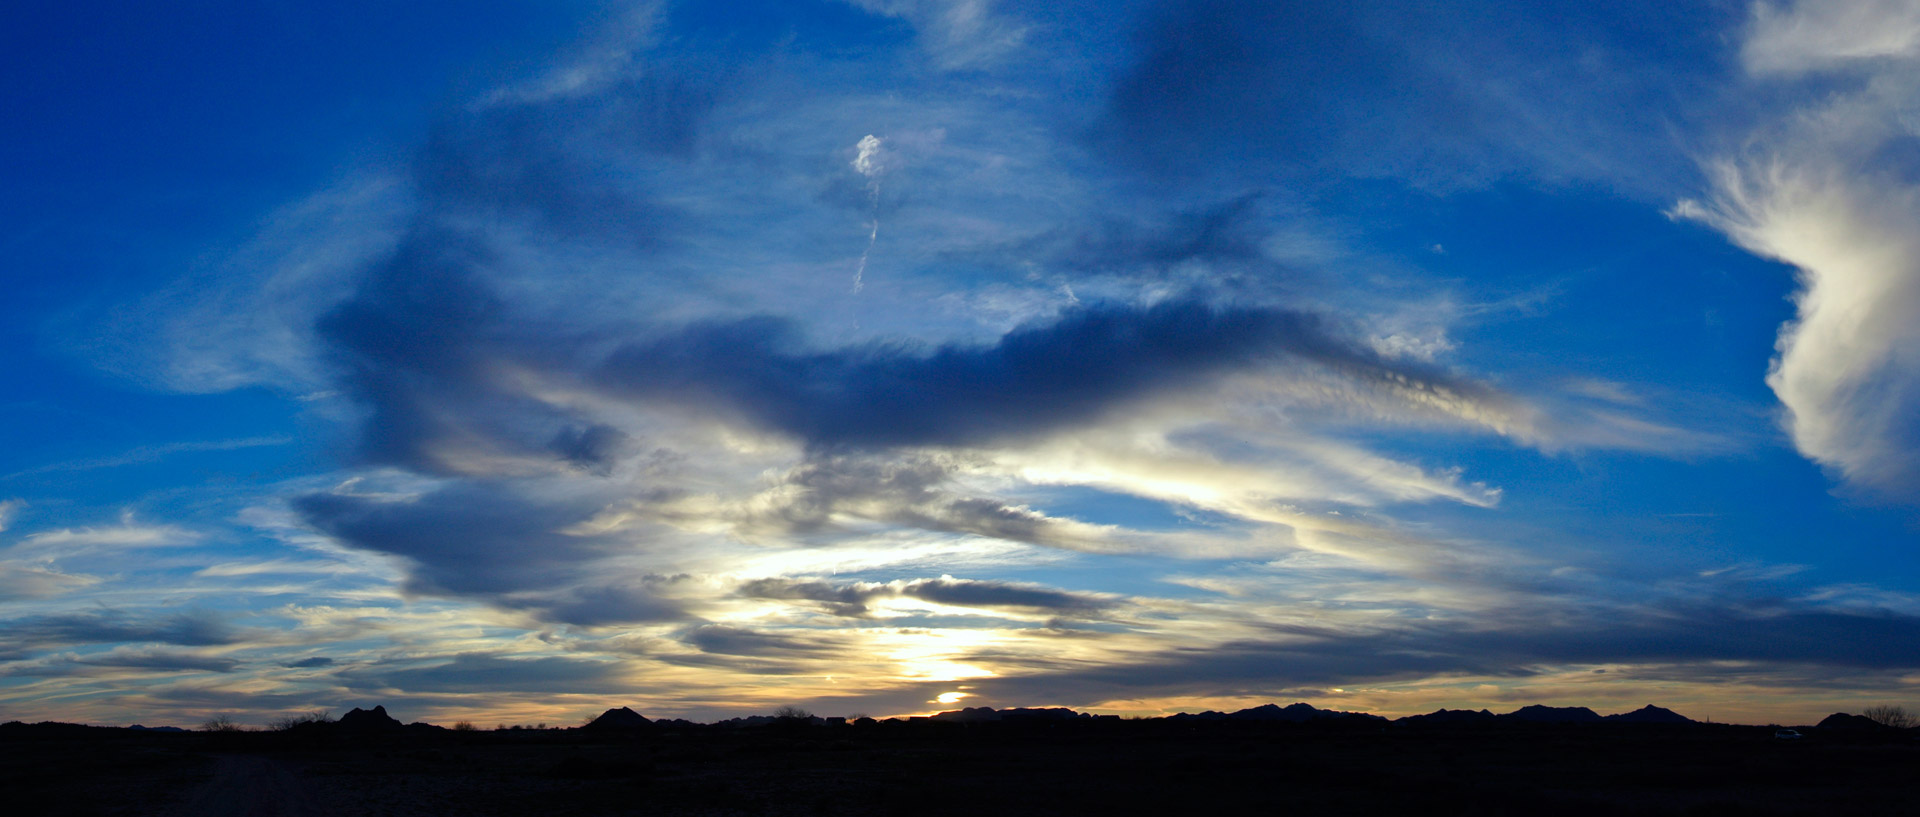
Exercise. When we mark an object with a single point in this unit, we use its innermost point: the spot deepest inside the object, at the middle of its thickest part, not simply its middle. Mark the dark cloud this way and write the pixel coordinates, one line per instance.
(853, 599)
(309, 663)
(910, 491)
(489, 541)
(466, 538)
(1224, 235)
(724, 640)
(1034, 379)
(486, 672)
(840, 599)
(594, 448)
(419, 344)
(602, 604)
(424, 340)
(197, 628)
(968, 593)
(1772, 636)
(170, 660)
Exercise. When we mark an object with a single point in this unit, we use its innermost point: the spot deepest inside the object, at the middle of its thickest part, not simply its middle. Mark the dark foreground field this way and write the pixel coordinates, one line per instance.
(917, 769)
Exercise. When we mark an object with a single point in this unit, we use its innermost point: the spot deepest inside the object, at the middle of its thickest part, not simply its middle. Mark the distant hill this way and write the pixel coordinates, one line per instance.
(368, 720)
(617, 720)
(986, 714)
(1552, 714)
(1292, 713)
(1845, 722)
(1450, 717)
(1649, 714)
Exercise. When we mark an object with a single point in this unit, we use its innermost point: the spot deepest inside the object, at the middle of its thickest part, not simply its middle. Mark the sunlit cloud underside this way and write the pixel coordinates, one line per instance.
(890, 357)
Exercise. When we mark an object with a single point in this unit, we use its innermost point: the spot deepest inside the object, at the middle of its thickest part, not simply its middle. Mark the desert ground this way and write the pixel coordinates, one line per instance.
(925, 768)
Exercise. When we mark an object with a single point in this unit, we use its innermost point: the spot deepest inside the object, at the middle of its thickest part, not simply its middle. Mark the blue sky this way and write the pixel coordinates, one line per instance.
(511, 361)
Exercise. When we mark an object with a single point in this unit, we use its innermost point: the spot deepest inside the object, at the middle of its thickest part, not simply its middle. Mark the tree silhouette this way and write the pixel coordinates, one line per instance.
(1890, 715)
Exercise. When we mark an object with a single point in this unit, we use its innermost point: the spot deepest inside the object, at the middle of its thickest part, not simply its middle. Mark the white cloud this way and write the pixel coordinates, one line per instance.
(603, 57)
(1819, 34)
(129, 533)
(1830, 190)
(145, 454)
(955, 33)
(22, 580)
(8, 510)
(247, 317)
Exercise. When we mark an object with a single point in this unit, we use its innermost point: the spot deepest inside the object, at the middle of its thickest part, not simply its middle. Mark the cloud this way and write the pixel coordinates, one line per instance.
(9, 509)
(957, 34)
(164, 660)
(1035, 379)
(1770, 636)
(197, 628)
(1813, 35)
(150, 453)
(492, 542)
(484, 672)
(130, 533)
(26, 580)
(826, 494)
(855, 599)
(1831, 190)
(725, 640)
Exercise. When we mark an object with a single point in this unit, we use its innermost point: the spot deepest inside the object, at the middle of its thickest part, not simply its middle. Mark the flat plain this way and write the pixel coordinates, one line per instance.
(926, 768)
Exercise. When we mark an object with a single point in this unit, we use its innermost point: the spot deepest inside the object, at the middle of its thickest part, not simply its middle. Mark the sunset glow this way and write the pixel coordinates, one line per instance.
(514, 361)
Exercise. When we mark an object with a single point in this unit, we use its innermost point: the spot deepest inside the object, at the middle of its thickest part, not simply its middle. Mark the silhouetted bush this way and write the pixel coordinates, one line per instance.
(1889, 715)
(302, 719)
(222, 723)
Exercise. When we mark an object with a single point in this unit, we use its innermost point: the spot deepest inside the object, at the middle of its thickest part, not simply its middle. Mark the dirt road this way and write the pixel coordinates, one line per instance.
(250, 786)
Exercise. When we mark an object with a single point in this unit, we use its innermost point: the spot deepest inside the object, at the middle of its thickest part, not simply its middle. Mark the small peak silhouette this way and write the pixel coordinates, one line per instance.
(621, 719)
(1553, 714)
(1649, 714)
(1846, 721)
(1291, 713)
(368, 720)
(1452, 716)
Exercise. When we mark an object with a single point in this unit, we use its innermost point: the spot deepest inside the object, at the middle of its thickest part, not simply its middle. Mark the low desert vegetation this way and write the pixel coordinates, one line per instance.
(222, 723)
(1891, 715)
(302, 719)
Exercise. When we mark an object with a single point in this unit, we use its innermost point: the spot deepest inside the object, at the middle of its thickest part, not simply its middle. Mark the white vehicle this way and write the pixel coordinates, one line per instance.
(1787, 734)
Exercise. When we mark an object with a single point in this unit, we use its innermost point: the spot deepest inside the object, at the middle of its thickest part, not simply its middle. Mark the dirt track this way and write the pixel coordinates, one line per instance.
(251, 786)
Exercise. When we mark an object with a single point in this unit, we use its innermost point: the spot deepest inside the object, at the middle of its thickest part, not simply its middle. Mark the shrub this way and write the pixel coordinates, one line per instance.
(222, 723)
(1889, 715)
(302, 719)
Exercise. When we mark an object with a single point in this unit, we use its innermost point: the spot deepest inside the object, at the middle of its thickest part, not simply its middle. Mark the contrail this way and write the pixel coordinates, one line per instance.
(868, 163)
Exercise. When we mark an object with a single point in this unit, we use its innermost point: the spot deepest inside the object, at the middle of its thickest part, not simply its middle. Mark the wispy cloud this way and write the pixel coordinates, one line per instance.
(149, 453)
(1827, 189)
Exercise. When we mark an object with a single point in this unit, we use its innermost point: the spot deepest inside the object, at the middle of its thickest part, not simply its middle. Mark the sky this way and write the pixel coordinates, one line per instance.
(509, 361)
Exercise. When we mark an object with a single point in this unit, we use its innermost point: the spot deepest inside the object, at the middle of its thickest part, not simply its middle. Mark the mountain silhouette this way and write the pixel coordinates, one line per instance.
(621, 719)
(368, 720)
(1451, 716)
(1845, 721)
(1648, 714)
(1552, 714)
(1292, 713)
